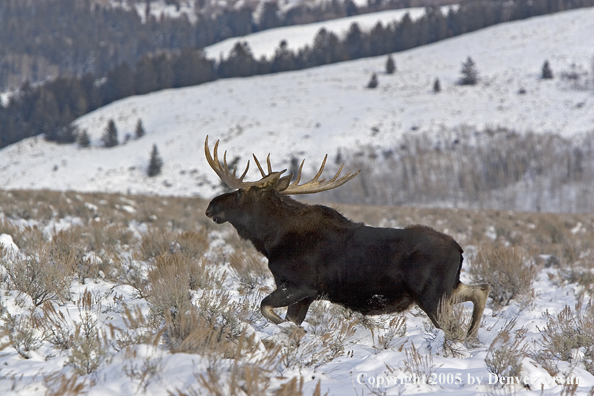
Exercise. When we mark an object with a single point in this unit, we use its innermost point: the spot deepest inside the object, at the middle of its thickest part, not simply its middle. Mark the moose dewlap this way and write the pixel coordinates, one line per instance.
(314, 252)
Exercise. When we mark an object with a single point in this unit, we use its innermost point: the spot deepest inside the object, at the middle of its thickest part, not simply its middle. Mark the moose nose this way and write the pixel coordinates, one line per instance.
(208, 212)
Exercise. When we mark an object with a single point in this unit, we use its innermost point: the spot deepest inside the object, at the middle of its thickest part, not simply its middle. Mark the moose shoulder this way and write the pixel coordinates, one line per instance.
(315, 252)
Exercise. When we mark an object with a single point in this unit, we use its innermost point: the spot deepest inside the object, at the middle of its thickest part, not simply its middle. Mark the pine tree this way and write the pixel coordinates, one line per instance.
(390, 65)
(469, 73)
(155, 163)
(547, 73)
(83, 139)
(139, 129)
(110, 136)
(373, 83)
(437, 86)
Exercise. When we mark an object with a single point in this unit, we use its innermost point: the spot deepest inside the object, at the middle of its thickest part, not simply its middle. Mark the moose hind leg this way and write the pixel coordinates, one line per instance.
(477, 294)
(283, 296)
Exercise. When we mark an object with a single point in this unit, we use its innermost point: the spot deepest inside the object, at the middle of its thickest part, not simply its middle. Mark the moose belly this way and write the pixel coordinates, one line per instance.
(369, 301)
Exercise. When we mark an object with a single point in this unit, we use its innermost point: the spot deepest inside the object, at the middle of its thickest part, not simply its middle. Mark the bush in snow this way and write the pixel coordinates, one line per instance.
(509, 271)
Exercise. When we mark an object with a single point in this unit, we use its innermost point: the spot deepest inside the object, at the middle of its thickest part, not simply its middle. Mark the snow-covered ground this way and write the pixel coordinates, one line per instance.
(309, 113)
(363, 366)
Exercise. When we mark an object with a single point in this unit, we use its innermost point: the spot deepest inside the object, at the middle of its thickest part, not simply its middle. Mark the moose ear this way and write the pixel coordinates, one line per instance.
(284, 182)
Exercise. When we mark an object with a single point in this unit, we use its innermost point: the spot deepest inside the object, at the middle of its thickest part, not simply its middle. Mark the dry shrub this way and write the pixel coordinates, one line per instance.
(139, 329)
(27, 238)
(249, 267)
(508, 270)
(107, 238)
(156, 242)
(243, 379)
(60, 384)
(43, 276)
(193, 243)
(419, 366)
(74, 241)
(388, 338)
(507, 350)
(21, 334)
(301, 349)
(55, 326)
(568, 335)
(454, 323)
(191, 333)
(169, 284)
(88, 342)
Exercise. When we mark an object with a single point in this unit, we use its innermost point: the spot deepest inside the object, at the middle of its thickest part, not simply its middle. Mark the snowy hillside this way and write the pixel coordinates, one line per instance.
(309, 113)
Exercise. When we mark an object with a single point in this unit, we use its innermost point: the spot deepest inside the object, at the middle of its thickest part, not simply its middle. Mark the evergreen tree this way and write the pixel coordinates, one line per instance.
(110, 135)
(83, 139)
(390, 65)
(283, 58)
(373, 81)
(354, 42)
(437, 86)
(145, 77)
(139, 129)
(269, 17)
(547, 73)
(469, 73)
(155, 163)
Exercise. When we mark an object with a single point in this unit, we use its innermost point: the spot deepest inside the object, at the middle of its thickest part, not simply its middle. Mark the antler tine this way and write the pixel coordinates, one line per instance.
(316, 185)
(222, 170)
(298, 177)
(259, 167)
(269, 166)
(321, 170)
(337, 174)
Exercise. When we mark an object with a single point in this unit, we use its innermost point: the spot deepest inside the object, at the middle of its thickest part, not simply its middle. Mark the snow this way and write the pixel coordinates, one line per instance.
(364, 367)
(8, 244)
(309, 113)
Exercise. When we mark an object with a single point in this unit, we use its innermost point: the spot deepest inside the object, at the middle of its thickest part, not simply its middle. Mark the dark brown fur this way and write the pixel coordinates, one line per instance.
(315, 252)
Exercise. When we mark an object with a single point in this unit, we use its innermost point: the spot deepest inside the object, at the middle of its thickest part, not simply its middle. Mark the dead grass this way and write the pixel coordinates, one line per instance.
(504, 357)
(250, 268)
(455, 323)
(44, 276)
(420, 366)
(567, 336)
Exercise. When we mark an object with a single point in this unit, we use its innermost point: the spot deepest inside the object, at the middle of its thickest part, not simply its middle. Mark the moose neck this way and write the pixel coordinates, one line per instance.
(265, 225)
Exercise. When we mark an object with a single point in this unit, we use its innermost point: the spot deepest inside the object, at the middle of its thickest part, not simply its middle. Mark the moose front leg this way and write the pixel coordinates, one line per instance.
(296, 312)
(288, 296)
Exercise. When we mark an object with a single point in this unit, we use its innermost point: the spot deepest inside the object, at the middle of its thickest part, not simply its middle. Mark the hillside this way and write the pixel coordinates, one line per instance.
(309, 113)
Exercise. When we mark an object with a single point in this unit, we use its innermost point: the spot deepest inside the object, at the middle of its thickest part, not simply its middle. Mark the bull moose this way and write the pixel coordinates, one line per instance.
(314, 252)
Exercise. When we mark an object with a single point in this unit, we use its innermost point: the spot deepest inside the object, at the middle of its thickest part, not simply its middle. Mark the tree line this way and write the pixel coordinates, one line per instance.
(51, 107)
(44, 38)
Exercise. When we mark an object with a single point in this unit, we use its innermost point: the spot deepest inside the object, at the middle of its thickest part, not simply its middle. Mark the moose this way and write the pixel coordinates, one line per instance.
(314, 252)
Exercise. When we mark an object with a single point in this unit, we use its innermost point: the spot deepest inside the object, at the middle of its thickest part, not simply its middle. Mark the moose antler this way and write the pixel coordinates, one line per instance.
(315, 185)
(232, 180)
(273, 178)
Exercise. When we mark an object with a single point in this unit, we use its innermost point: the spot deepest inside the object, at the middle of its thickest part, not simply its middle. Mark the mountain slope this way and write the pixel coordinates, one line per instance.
(309, 113)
